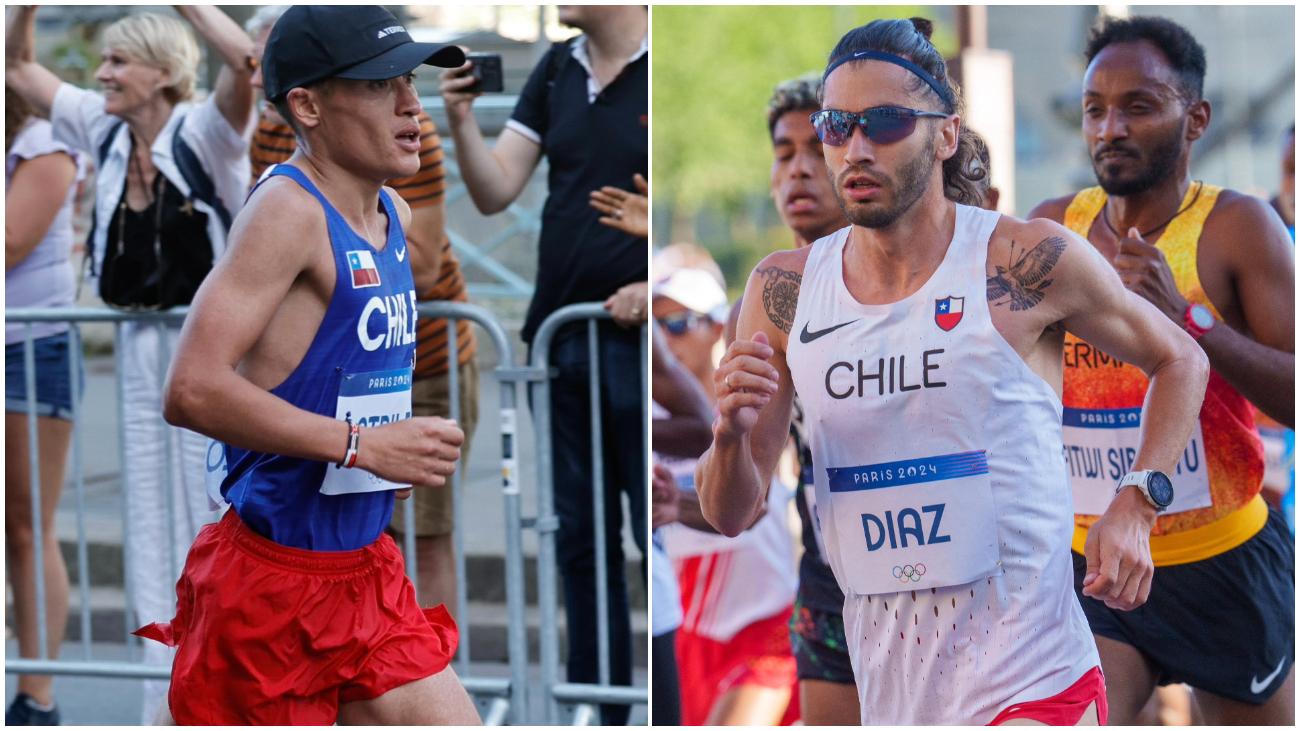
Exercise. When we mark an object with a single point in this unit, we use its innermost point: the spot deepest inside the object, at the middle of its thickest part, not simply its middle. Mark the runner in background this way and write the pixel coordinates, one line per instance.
(733, 647)
(1218, 264)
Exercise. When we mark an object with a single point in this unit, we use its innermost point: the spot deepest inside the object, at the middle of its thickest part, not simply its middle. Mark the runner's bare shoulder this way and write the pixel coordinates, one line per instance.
(282, 225)
(1052, 209)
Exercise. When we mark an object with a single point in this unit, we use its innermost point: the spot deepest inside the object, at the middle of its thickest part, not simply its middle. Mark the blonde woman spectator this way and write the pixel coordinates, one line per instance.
(172, 172)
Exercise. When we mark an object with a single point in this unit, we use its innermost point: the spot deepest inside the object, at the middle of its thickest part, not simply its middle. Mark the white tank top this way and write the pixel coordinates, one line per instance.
(941, 490)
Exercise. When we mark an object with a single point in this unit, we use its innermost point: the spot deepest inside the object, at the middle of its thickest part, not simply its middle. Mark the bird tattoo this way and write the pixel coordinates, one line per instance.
(1022, 283)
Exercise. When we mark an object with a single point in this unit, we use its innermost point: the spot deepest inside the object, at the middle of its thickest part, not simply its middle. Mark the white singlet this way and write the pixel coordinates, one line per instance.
(942, 493)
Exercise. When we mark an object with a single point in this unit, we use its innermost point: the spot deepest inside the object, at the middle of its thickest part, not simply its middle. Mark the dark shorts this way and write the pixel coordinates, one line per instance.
(53, 383)
(268, 634)
(1224, 625)
(817, 641)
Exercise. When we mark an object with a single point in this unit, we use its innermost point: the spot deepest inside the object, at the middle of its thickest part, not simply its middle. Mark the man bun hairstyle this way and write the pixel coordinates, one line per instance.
(1185, 55)
(800, 93)
(910, 39)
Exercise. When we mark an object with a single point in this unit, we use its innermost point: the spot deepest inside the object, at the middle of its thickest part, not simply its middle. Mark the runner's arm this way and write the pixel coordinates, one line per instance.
(204, 391)
(733, 475)
(32, 81)
(1260, 362)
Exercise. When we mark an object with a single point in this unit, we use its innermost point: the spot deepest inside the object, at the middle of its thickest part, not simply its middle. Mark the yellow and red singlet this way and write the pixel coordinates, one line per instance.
(1223, 467)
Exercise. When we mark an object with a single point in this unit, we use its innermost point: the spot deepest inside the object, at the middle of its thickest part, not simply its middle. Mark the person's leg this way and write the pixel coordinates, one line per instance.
(1278, 710)
(149, 550)
(1089, 718)
(438, 700)
(572, 480)
(1130, 679)
(829, 704)
(665, 694)
(623, 441)
(53, 436)
(749, 704)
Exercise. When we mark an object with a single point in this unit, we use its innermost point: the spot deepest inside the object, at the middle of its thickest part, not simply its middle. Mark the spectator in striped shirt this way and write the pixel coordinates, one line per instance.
(437, 278)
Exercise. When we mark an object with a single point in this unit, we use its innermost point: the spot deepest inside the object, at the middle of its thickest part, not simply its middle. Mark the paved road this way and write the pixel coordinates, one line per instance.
(106, 701)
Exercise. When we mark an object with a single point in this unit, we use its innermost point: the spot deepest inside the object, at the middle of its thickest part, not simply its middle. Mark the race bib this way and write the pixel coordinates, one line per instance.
(370, 400)
(1100, 446)
(215, 473)
(915, 524)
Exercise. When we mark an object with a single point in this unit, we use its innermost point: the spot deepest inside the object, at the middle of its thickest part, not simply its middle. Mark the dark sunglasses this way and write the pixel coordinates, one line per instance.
(882, 125)
(680, 323)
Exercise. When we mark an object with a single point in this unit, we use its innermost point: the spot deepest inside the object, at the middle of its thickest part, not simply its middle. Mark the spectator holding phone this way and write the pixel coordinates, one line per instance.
(585, 107)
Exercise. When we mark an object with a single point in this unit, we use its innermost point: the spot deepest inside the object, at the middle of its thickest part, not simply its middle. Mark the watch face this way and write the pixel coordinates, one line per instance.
(1201, 317)
(1160, 489)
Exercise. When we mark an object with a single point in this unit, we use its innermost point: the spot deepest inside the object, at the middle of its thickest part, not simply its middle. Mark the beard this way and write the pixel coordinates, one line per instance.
(912, 179)
(1161, 159)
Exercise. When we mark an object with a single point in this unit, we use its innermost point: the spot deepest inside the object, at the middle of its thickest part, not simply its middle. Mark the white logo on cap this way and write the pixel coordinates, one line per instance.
(390, 30)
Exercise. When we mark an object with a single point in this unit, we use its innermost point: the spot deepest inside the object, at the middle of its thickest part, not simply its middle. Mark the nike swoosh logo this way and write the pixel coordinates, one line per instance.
(401, 254)
(1258, 686)
(807, 336)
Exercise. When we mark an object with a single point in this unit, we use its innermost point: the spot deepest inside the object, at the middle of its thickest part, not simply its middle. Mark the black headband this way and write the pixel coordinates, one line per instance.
(924, 75)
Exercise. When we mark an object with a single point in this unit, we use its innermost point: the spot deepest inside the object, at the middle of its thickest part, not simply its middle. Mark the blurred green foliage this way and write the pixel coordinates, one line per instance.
(714, 68)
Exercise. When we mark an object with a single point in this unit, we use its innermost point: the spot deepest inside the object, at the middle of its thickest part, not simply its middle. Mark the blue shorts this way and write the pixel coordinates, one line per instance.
(53, 358)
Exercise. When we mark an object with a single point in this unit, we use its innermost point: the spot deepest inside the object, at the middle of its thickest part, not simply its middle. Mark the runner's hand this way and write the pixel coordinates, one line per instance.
(1118, 552)
(744, 382)
(1144, 271)
(664, 497)
(420, 451)
(454, 83)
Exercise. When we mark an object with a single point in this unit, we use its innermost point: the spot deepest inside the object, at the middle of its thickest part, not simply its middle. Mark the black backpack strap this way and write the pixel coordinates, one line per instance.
(200, 183)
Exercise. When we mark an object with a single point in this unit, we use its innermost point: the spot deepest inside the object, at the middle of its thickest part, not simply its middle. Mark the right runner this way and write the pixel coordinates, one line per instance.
(934, 410)
(1219, 263)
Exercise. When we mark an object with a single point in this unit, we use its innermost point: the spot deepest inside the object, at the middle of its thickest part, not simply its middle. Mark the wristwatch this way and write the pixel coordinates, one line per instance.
(1197, 320)
(1155, 486)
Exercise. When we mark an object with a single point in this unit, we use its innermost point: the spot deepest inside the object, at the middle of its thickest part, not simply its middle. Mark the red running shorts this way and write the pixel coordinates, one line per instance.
(757, 655)
(1064, 708)
(268, 634)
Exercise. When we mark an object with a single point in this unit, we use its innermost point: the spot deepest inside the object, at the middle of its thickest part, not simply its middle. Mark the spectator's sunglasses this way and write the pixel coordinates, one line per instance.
(881, 125)
(680, 323)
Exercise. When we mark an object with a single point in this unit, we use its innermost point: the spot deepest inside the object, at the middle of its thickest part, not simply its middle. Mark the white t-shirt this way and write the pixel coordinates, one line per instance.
(44, 278)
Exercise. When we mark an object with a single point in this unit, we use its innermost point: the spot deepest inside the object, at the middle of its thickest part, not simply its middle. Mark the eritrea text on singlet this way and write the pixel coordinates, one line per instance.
(1217, 481)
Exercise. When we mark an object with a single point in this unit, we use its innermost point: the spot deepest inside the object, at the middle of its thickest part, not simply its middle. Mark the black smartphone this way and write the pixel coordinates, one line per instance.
(487, 70)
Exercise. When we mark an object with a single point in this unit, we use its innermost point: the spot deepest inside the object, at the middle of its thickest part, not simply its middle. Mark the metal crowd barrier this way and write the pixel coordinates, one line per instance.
(505, 698)
(584, 696)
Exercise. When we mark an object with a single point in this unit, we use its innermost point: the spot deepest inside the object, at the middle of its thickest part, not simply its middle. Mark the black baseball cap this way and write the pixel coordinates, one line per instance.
(310, 43)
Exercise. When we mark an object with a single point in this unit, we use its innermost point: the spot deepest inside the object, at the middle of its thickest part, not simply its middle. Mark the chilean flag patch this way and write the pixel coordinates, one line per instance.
(364, 271)
(947, 312)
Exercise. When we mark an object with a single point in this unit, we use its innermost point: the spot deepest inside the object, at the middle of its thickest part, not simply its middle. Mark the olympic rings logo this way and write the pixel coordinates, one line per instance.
(908, 572)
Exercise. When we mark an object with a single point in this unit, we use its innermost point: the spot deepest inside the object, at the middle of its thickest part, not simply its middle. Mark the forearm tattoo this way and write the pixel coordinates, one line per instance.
(780, 295)
(1022, 281)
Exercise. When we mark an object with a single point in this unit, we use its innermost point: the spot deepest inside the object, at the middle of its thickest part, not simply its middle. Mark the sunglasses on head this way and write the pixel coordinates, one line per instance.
(882, 125)
(679, 323)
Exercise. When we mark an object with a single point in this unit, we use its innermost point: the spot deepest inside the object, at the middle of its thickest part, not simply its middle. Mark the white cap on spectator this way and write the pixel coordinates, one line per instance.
(696, 290)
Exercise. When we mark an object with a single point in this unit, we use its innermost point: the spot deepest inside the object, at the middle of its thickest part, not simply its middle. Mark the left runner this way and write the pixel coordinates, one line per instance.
(298, 355)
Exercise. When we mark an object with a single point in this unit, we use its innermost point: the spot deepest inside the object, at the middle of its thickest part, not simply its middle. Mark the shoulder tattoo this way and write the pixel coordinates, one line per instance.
(780, 295)
(1022, 282)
